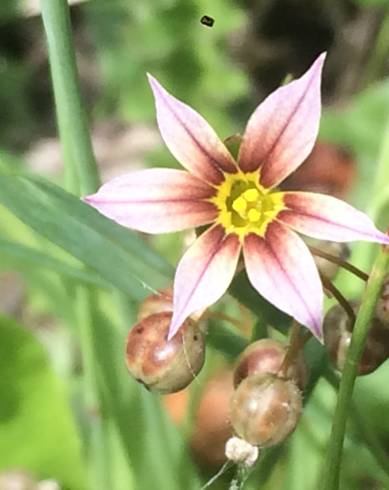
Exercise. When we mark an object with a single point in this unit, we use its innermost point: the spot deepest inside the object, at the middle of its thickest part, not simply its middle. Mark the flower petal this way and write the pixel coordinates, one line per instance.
(156, 200)
(328, 218)
(282, 270)
(203, 274)
(190, 138)
(282, 130)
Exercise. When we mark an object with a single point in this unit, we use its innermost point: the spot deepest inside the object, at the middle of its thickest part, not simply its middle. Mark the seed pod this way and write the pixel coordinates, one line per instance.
(329, 169)
(162, 366)
(212, 426)
(156, 303)
(382, 308)
(159, 302)
(265, 409)
(337, 338)
(339, 250)
(267, 356)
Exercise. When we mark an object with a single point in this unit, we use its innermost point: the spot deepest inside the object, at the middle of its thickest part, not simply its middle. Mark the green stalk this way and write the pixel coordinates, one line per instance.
(81, 177)
(99, 475)
(80, 166)
(378, 205)
(361, 329)
(380, 52)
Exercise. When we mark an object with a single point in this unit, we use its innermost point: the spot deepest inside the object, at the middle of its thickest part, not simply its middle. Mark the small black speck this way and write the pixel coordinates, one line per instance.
(207, 21)
(195, 337)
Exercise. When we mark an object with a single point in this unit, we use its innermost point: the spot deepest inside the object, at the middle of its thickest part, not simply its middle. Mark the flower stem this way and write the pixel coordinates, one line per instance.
(293, 348)
(342, 263)
(361, 329)
(339, 298)
(80, 165)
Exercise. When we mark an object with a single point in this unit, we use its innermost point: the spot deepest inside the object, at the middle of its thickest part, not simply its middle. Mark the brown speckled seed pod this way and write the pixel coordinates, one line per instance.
(165, 367)
(337, 338)
(265, 409)
(156, 303)
(382, 308)
(267, 356)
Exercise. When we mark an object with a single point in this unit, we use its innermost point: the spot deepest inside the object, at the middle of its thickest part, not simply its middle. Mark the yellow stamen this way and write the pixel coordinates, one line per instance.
(253, 215)
(239, 205)
(245, 206)
(251, 195)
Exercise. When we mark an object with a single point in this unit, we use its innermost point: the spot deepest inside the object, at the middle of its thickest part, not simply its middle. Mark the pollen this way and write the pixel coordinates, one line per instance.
(245, 206)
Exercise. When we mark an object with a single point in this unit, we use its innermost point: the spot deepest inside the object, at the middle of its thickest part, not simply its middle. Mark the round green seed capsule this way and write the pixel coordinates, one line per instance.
(161, 365)
(265, 409)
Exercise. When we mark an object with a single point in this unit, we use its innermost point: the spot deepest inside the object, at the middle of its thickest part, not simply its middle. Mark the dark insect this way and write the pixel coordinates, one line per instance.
(207, 21)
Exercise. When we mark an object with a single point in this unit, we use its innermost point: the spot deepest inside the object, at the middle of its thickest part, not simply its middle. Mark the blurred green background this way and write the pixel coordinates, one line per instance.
(49, 432)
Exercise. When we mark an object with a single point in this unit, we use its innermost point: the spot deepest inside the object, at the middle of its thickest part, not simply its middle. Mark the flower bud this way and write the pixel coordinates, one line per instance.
(161, 365)
(382, 308)
(265, 409)
(267, 356)
(339, 250)
(156, 303)
(337, 338)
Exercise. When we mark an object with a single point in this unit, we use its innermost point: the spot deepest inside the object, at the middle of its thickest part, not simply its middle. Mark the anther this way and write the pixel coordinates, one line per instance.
(251, 195)
(239, 205)
(253, 215)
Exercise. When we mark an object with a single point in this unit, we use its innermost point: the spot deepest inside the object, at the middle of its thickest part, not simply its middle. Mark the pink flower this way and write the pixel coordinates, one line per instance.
(241, 203)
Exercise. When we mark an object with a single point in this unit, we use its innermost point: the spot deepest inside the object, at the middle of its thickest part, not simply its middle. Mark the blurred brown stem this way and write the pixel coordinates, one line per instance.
(339, 298)
(342, 263)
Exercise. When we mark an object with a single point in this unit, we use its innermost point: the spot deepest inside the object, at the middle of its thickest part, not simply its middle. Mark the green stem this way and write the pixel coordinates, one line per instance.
(363, 426)
(97, 466)
(80, 166)
(81, 175)
(381, 185)
(377, 207)
(361, 329)
(380, 52)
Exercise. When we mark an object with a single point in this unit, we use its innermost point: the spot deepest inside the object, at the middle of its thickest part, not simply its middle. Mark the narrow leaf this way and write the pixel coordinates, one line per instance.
(120, 256)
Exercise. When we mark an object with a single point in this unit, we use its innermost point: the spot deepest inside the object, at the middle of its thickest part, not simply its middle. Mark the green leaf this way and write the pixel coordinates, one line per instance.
(37, 430)
(268, 314)
(225, 338)
(148, 436)
(26, 255)
(120, 256)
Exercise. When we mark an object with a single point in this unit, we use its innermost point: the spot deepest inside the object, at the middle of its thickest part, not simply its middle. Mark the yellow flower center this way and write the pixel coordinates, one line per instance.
(244, 205)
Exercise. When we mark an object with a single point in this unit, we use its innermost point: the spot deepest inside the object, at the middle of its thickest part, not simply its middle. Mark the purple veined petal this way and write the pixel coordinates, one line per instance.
(190, 138)
(203, 274)
(328, 218)
(282, 270)
(156, 200)
(282, 130)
